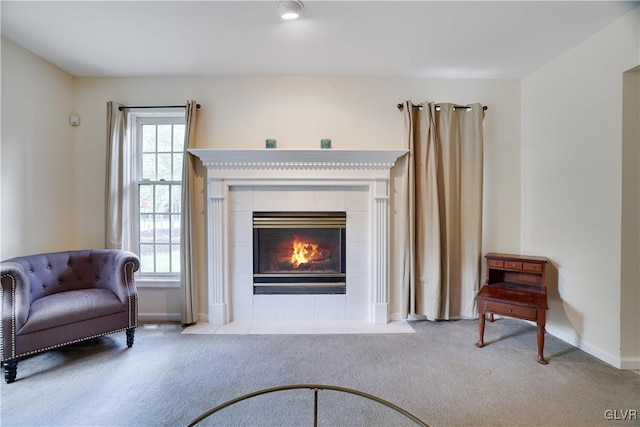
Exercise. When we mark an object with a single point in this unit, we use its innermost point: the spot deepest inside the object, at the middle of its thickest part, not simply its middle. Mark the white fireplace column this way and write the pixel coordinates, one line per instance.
(217, 251)
(380, 252)
(291, 168)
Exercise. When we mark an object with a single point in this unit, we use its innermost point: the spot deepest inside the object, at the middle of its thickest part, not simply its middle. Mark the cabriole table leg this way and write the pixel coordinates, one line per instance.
(481, 321)
(540, 330)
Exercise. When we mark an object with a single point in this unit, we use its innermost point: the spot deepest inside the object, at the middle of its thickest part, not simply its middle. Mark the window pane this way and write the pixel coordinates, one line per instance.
(164, 138)
(164, 166)
(145, 197)
(146, 259)
(163, 263)
(175, 258)
(178, 138)
(149, 166)
(162, 228)
(175, 228)
(177, 167)
(176, 198)
(146, 228)
(162, 198)
(148, 138)
(159, 203)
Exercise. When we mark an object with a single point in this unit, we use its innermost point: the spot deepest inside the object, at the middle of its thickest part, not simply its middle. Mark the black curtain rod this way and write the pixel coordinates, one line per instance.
(401, 107)
(156, 106)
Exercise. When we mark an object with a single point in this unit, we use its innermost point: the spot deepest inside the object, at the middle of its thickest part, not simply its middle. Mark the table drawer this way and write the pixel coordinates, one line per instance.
(510, 310)
(513, 265)
(499, 263)
(529, 266)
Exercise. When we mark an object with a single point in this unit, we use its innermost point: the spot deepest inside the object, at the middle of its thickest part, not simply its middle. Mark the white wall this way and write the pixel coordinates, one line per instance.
(355, 112)
(630, 273)
(36, 203)
(571, 183)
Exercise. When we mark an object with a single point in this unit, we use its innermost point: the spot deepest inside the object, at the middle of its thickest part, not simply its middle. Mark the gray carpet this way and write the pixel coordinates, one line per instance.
(437, 374)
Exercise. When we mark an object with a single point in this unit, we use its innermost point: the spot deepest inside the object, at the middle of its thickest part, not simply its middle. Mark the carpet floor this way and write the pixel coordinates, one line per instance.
(168, 379)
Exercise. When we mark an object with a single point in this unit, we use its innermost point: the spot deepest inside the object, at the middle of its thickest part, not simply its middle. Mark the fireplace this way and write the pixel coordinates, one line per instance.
(299, 253)
(243, 181)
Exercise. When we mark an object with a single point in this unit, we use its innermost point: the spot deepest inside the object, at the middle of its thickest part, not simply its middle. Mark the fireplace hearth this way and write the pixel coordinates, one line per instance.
(299, 252)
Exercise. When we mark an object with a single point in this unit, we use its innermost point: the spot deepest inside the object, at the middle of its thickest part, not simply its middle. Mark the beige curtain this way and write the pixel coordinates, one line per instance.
(443, 200)
(117, 177)
(188, 285)
(403, 250)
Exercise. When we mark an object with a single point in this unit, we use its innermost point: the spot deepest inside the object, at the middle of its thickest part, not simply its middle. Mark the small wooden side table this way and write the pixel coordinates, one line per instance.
(515, 287)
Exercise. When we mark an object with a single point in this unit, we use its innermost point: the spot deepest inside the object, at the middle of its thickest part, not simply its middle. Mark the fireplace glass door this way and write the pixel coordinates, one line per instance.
(299, 252)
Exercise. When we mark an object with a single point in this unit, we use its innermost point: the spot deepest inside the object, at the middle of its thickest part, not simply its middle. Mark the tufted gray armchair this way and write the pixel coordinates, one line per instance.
(53, 299)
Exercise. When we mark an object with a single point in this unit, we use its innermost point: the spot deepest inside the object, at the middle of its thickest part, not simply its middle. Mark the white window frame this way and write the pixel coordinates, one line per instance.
(137, 118)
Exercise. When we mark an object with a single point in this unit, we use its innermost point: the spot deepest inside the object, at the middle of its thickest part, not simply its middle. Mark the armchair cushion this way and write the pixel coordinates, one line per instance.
(71, 307)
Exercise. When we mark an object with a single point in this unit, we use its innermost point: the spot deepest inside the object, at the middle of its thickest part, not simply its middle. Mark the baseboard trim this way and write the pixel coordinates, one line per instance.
(624, 363)
(167, 317)
(158, 317)
(630, 363)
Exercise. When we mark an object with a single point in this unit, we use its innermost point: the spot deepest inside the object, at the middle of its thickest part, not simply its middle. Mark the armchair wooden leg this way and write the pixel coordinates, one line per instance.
(10, 370)
(130, 333)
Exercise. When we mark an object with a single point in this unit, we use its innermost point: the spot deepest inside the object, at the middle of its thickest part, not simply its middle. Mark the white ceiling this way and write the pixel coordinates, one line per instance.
(457, 39)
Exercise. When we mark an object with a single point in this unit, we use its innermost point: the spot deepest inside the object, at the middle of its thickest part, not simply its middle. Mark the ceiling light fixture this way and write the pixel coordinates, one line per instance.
(290, 9)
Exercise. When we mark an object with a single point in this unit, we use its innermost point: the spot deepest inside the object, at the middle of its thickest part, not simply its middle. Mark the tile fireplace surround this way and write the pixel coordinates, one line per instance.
(240, 182)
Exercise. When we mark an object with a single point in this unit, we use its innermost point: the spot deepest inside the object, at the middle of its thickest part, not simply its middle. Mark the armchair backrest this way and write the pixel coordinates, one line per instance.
(50, 273)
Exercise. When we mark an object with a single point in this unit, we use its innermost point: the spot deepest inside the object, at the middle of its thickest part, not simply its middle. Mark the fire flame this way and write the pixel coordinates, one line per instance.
(303, 252)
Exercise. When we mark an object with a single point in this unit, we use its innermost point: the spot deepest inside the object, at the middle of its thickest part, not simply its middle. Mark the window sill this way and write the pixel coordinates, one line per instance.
(158, 283)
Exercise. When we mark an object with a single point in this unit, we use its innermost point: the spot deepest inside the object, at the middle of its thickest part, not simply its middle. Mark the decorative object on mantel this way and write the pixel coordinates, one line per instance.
(270, 143)
(325, 143)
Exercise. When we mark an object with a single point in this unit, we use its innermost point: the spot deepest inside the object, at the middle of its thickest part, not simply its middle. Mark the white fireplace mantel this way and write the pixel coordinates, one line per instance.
(250, 163)
(295, 168)
(300, 157)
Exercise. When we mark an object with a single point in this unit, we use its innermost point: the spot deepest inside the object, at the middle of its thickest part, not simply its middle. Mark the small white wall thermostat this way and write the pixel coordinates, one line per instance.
(74, 120)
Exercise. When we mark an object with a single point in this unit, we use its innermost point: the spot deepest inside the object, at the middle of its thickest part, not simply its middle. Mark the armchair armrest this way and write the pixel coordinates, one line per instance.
(122, 282)
(14, 287)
